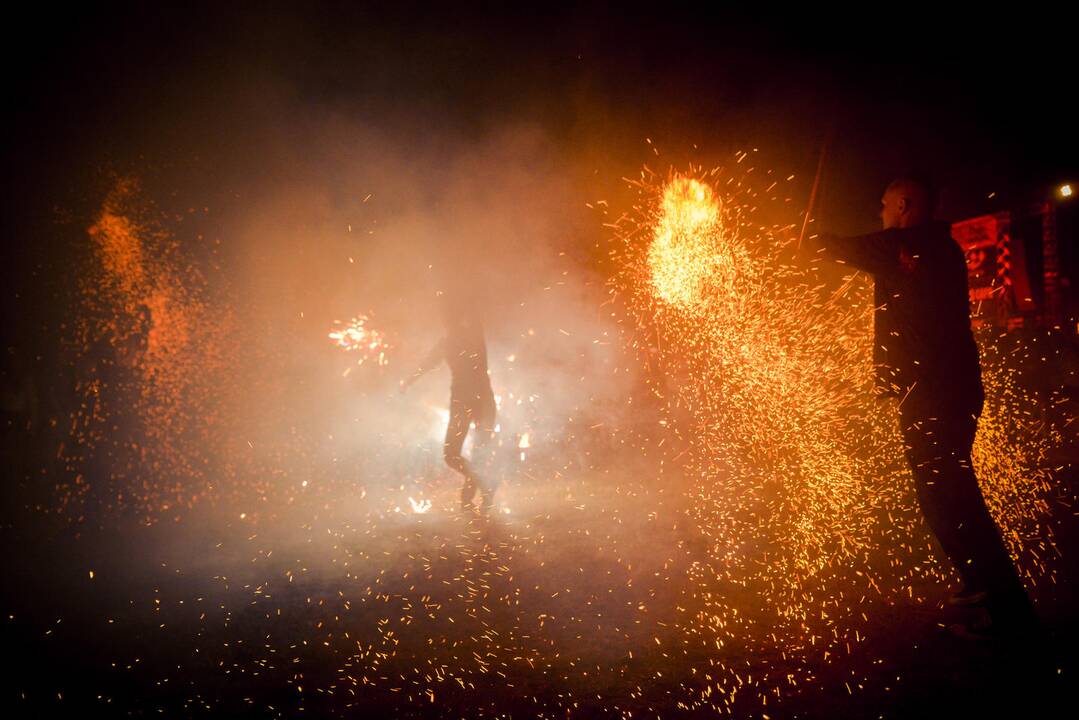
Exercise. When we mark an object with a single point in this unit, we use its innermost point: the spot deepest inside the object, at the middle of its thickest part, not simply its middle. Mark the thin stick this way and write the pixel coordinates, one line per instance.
(813, 192)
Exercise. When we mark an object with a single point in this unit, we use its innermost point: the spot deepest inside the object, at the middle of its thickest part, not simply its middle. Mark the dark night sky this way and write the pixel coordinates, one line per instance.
(978, 100)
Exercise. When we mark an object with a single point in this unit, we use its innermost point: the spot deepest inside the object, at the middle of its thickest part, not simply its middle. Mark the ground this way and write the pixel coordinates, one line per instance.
(571, 599)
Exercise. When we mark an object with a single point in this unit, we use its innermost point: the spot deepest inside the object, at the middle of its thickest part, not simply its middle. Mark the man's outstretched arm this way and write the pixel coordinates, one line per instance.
(431, 361)
(876, 253)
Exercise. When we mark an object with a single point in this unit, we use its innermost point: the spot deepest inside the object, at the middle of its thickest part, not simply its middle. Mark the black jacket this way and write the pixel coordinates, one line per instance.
(922, 335)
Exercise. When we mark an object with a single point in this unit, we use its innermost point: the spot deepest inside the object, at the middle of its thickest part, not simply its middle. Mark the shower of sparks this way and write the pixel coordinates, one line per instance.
(802, 495)
(149, 353)
(309, 585)
(357, 337)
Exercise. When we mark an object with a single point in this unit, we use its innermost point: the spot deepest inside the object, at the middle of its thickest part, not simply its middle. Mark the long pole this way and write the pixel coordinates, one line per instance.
(813, 192)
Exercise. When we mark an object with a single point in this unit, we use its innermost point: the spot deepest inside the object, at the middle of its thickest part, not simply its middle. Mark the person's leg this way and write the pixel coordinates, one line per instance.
(955, 510)
(483, 448)
(456, 432)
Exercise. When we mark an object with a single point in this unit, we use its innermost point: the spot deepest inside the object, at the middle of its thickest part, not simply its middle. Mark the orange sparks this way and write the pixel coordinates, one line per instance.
(357, 337)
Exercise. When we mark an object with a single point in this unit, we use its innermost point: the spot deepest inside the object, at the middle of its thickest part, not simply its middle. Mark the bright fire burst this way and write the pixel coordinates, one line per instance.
(685, 251)
(419, 507)
(357, 337)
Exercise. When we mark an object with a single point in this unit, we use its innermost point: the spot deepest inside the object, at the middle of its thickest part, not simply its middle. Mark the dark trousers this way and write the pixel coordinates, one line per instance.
(939, 434)
(466, 409)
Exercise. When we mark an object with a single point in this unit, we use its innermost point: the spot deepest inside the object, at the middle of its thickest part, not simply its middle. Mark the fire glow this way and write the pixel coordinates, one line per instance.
(357, 337)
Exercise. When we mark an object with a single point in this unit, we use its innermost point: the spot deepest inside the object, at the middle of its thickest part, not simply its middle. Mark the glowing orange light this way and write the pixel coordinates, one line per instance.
(420, 507)
(683, 251)
(356, 336)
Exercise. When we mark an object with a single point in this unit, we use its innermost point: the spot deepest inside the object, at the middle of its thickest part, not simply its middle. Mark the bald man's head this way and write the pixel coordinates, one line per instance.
(907, 203)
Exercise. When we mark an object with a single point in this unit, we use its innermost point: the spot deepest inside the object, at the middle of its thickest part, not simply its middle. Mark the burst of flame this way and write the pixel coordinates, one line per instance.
(683, 251)
(357, 337)
(419, 507)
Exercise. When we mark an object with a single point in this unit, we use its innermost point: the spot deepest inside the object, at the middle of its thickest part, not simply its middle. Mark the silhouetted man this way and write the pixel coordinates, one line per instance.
(471, 399)
(925, 354)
